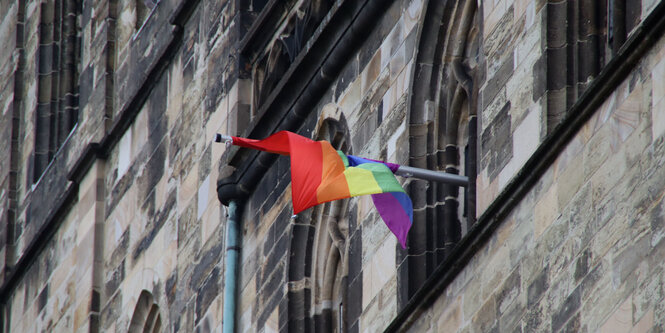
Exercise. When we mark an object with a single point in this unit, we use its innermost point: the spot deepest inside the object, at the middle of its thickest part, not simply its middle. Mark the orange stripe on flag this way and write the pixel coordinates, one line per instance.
(333, 183)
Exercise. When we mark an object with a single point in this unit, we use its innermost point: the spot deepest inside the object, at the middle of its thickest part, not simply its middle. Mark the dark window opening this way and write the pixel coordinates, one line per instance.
(58, 72)
(272, 63)
(324, 272)
(444, 140)
(146, 317)
(143, 10)
(582, 36)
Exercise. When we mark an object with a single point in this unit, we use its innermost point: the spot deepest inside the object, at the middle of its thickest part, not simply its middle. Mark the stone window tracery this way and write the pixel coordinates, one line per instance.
(57, 79)
(319, 281)
(143, 10)
(330, 255)
(443, 136)
(582, 36)
(146, 317)
(272, 63)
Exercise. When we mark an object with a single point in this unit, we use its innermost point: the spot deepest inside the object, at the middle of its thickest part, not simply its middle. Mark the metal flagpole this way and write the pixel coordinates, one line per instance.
(403, 171)
(435, 176)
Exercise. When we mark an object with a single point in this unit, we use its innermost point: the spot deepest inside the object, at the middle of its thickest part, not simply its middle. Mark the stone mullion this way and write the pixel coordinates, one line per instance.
(471, 172)
(617, 24)
(14, 156)
(417, 239)
(571, 66)
(54, 77)
(56, 88)
(574, 52)
(61, 104)
(450, 219)
(556, 53)
(299, 275)
(111, 47)
(72, 59)
(624, 16)
(65, 98)
(442, 209)
(45, 71)
(432, 229)
(432, 214)
(633, 15)
(588, 44)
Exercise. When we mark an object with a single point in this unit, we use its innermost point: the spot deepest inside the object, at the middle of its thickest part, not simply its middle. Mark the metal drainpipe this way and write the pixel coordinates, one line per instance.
(231, 269)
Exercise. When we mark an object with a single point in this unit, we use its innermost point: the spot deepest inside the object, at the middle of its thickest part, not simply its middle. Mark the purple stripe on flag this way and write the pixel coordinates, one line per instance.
(392, 166)
(395, 208)
(355, 161)
(396, 211)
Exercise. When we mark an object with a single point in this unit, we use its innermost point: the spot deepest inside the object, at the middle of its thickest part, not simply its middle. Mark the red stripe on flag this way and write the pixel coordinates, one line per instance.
(277, 143)
(306, 163)
(306, 169)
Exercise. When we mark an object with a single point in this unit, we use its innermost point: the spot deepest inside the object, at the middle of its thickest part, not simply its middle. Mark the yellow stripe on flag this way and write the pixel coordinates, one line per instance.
(361, 182)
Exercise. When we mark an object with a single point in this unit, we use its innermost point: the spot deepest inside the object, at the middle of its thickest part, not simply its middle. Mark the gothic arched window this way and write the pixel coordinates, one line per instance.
(272, 58)
(582, 36)
(443, 140)
(146, 317)
(57, 79)
(143, 10)
(319, 260)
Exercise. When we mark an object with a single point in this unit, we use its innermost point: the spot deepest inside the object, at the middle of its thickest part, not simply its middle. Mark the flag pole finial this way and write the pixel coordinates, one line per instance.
(223, 138)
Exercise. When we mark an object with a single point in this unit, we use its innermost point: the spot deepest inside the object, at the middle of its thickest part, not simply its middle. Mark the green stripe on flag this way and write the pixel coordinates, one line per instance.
(383, 176)
(344, 158)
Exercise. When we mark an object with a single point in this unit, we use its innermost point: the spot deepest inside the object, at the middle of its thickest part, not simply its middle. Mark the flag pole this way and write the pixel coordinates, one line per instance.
(403, 171)
(431, 175)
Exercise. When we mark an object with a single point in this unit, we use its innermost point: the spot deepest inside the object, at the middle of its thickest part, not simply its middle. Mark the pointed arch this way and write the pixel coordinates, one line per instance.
(146, 317)
(443, 131)
(319, 254)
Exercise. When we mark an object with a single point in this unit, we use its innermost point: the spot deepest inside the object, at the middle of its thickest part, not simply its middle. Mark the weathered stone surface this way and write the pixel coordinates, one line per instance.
(592, 253)
(581, 251)
(495, 144)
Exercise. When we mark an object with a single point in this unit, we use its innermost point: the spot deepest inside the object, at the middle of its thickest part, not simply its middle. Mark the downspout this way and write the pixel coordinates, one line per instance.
(233, 187)
(231, 269)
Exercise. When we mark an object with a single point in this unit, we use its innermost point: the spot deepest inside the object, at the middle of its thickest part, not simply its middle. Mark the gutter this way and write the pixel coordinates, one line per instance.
(605, 84)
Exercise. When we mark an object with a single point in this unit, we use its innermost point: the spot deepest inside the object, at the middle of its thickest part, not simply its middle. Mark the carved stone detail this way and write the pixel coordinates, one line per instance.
(288, 42)
(318, 285)
(444, 139)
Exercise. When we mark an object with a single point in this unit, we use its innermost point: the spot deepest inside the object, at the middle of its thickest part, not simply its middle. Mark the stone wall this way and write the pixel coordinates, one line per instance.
(519, 99)
(580, 252)
(58, 291)
(370, 95)
(512, 116)
(8, 64)
(164, 227)
(128, 206)
(129, 202)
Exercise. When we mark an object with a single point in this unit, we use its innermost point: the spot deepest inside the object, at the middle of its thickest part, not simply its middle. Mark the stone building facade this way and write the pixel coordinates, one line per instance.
(113, 196)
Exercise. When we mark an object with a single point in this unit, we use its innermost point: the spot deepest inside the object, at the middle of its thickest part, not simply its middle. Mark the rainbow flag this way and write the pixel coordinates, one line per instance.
(319, 174)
